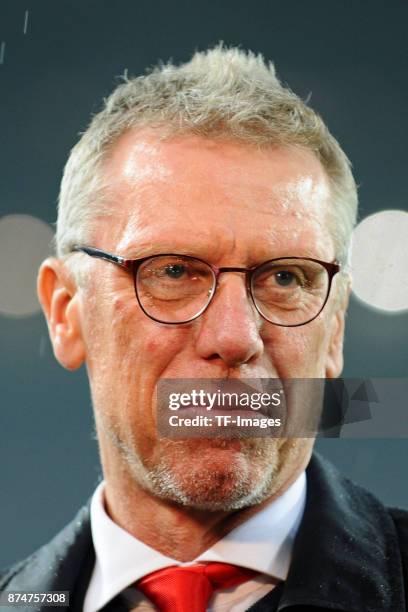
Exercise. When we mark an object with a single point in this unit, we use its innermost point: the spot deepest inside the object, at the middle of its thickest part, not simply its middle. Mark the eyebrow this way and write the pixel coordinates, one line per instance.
(251, 263)
(156, 249)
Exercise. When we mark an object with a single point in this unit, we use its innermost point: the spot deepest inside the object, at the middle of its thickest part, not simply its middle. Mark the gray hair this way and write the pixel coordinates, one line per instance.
(219, 93)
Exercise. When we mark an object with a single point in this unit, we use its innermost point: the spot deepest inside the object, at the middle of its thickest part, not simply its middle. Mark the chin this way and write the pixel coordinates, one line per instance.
(213, 475)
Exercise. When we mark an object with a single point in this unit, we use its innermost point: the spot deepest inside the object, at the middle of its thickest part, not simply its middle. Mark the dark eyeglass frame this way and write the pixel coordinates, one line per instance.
(132, 266)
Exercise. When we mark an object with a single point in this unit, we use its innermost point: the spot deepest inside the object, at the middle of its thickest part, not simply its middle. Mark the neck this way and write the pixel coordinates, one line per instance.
(176, 531)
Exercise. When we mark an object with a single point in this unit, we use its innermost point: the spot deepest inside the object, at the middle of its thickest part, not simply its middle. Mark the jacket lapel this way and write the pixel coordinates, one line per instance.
(64, 564)
(346, 554)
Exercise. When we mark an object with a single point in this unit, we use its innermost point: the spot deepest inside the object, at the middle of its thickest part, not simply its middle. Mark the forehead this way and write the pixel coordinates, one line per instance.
(192, 191)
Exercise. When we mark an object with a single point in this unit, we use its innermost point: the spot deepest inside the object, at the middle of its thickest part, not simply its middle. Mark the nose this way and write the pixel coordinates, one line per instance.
(229, 330)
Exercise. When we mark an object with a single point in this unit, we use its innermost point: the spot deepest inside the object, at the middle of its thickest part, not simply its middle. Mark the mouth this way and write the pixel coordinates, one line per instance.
(233, 411)
(231, 423)
(220, 408)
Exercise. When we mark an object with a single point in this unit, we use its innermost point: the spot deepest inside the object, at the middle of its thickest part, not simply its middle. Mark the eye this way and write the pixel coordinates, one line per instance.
(285, 278)
(174, 270)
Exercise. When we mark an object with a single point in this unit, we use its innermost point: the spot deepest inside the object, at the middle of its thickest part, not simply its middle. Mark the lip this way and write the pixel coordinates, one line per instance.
(191, 412)
(197, 422)
(233, 411)
(192, 397)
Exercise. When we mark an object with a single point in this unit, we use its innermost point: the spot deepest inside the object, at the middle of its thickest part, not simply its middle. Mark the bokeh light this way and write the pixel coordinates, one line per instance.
(24, 242)
(379, 260)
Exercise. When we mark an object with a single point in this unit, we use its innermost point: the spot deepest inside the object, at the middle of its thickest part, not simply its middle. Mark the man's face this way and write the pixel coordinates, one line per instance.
(230, 205)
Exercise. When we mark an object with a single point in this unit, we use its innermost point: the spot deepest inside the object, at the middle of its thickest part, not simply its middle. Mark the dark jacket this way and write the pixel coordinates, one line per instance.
(350, 553)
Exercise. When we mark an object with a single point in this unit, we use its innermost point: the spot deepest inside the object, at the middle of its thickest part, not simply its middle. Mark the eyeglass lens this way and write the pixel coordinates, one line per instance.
(176, 289)
(290, 291)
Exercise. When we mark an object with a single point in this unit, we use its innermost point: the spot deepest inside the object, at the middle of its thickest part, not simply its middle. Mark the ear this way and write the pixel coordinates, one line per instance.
(334, 357)
(59, 299)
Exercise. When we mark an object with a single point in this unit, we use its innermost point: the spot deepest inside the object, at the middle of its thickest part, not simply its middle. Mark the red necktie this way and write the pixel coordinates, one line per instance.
(188, 589)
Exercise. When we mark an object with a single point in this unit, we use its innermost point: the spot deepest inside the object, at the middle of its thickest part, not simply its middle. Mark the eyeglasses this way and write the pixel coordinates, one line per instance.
(176, 289)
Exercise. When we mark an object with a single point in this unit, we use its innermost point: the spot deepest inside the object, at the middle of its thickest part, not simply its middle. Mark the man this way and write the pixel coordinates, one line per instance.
(203, 230)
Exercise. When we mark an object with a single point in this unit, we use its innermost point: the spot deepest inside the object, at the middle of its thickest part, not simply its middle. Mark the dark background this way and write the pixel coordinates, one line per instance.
(352, 56)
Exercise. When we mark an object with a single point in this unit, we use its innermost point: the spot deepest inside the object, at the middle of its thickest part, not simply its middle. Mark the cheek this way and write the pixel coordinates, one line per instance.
(298, 352)
(127, 347)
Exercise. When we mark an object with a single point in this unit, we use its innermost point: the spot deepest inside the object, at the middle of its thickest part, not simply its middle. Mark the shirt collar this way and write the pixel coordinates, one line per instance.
(263, 543)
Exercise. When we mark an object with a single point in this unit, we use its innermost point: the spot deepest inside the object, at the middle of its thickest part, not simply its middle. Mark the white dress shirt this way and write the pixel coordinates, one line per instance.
(262, 543)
